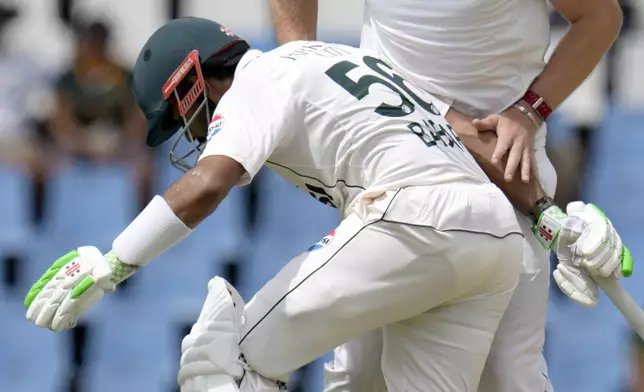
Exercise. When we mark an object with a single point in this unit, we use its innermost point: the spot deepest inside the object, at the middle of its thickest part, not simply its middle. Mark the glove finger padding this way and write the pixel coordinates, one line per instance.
(73, 284)
(600, 259)
(575, 206)
(46, 296)
(71, 309)
(49, 305)
(577, 285)
(596, 235)
(612, 266)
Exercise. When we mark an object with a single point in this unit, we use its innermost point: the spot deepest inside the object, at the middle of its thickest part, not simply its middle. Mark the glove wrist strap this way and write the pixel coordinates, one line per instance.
(120, 270)
(539, 208)
(548, 226)
(156, 229)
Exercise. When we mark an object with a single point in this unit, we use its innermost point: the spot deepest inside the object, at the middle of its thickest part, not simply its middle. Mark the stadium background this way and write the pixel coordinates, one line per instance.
(52, 202)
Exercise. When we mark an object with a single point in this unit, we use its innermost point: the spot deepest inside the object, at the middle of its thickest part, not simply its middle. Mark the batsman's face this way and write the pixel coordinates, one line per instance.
(197, 119)
(192, 103)
(216, 88)
(190, 94)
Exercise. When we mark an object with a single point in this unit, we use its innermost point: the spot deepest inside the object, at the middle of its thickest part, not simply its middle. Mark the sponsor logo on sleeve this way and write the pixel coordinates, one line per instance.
(215, 126)
(323, 242)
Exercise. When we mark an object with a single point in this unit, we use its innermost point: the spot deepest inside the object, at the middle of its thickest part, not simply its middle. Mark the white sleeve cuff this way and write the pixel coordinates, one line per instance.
(155, 230)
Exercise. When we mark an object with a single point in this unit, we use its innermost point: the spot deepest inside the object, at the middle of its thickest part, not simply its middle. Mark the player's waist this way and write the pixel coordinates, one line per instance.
(459, 205)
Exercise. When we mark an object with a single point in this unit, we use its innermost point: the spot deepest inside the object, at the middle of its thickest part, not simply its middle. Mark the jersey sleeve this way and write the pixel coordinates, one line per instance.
(258, 114)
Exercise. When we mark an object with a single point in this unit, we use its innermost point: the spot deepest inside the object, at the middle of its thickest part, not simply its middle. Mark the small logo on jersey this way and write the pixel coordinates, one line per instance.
(323, 242)
(215, 125)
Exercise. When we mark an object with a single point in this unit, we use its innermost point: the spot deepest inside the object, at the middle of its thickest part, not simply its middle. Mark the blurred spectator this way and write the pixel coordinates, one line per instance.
(23, 84)
(95, 118)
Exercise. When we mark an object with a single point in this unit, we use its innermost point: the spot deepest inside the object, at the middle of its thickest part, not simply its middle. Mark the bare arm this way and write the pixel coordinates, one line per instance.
(481, 145)
(294, 19)
(198, 193)
(594, 26)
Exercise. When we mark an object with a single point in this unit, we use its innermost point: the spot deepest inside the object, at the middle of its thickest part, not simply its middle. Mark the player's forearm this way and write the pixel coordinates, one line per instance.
(294, 19)
(481, 145)
(168, 219)
(195, 196)
(589, 38)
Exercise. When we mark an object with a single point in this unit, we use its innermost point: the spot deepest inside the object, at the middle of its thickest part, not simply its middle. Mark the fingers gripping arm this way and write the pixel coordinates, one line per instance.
(481, 145)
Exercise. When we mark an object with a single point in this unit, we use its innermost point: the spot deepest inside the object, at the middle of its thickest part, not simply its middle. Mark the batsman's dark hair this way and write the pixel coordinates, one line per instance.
(222, 64)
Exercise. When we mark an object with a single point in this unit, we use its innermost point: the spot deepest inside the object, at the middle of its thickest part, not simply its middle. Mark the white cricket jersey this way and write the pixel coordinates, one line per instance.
(337, 123)
(481, 54)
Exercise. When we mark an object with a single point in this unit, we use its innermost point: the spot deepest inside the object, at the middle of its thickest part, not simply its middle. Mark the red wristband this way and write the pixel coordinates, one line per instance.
(538, 104)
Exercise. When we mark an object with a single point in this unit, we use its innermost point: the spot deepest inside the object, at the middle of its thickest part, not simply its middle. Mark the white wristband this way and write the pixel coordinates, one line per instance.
(155, 230)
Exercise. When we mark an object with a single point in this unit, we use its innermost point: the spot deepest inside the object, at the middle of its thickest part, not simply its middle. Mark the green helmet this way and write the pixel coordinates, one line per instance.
(169, 70)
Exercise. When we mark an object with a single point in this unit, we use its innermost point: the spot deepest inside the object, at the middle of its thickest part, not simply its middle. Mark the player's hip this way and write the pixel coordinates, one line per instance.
(466, 205)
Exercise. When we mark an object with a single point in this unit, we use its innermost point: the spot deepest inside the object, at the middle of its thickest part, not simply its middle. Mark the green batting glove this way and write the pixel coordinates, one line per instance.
(625, 258)
(586, 238)
(72, 285)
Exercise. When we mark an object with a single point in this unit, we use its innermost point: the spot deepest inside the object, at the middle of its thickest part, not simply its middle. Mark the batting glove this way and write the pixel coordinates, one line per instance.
(72, 285)
(586, 244)
(599, 249)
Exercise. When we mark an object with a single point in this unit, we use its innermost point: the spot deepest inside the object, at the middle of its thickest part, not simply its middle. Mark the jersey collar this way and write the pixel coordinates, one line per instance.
(247, 58)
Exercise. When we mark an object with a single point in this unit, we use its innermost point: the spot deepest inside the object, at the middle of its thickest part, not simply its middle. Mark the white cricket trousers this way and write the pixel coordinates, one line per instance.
(433, 266)
(515, 362)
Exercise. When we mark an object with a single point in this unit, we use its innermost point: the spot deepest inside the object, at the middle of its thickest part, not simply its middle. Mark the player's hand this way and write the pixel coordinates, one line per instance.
(515, 134)
(70, 287)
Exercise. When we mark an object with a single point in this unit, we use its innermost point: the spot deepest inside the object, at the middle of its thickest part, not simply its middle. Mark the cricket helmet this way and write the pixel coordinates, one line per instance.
(168, 79)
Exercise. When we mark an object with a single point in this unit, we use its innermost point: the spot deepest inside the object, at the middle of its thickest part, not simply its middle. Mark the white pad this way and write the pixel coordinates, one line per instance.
(212, 347)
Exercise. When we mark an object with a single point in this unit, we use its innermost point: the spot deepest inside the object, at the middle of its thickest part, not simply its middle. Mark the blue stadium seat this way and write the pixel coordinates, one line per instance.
(90, 205)
(177, 281)
(130, 350)
(14, 207)
(31, 359)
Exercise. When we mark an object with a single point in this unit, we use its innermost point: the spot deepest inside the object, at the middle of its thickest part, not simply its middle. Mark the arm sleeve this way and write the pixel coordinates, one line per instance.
(257, 115)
